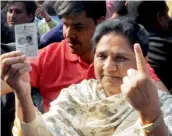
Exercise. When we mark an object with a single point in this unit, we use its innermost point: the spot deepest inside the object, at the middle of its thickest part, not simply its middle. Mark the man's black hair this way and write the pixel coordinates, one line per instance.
(93, 9)
(126, 27)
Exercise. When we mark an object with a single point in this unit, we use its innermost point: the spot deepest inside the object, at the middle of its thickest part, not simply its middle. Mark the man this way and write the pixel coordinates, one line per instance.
(68, 62)
(159, 26)
(19, 12)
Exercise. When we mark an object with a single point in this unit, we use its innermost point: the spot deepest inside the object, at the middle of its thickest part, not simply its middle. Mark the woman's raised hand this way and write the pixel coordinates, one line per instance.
(140, 90)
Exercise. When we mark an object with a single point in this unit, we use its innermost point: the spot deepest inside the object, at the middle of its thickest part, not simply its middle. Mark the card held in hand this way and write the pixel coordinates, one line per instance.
(26, 39)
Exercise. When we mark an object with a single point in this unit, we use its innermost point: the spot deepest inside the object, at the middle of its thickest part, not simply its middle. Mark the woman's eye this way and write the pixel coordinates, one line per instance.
(101, 56)
(120, 59)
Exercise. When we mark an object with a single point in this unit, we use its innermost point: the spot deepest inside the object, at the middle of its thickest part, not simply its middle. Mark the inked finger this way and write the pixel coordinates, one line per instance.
(140, 60)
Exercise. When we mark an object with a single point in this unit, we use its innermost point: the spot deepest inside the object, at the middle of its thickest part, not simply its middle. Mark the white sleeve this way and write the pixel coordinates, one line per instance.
(35, 128)
(166, 107)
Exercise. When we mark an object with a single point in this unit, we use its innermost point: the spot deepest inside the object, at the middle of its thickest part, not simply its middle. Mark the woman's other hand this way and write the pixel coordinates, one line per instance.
(14, 71)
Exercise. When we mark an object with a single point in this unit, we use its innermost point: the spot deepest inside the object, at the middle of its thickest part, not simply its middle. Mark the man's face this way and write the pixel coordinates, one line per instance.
(78, 31)
(17, 14)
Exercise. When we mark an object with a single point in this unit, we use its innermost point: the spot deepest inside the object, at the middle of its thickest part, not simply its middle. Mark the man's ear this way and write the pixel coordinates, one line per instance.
(102, 18)
(30, 17)
(146, 59)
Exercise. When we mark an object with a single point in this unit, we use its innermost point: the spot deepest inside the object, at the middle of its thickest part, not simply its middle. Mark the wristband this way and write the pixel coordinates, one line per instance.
(152, 126)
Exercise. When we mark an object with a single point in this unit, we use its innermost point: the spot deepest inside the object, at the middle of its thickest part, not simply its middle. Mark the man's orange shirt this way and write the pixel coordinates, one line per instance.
(56, 68)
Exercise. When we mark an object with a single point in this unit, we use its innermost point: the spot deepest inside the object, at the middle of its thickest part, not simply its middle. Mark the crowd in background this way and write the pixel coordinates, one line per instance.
(55, 68)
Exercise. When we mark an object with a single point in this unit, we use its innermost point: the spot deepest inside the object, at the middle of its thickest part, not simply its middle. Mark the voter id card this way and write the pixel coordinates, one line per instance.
(26, 39)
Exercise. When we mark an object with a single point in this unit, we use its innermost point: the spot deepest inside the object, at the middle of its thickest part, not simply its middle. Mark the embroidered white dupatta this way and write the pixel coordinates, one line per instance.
(84, 110)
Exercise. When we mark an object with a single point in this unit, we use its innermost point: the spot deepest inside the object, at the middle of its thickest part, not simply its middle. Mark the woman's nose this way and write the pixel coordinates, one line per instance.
(110, 65)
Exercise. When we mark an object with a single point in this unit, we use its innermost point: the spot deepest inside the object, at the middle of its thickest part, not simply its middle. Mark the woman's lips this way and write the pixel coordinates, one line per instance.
(111, 78)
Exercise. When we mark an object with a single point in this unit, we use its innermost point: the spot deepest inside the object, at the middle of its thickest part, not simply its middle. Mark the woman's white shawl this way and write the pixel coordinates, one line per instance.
(85, 110)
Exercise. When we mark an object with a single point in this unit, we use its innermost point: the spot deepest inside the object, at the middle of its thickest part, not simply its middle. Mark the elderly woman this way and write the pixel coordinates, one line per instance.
(122, 101)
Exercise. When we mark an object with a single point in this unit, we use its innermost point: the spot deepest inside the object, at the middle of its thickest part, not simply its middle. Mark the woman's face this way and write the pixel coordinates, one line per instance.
(113, 57)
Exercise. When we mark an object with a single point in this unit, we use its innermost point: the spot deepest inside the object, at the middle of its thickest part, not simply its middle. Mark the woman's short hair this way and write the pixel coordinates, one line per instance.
(127, 27)
(93, 9)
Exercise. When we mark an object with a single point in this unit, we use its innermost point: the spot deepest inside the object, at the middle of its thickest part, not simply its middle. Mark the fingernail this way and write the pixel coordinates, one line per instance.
(136, 47)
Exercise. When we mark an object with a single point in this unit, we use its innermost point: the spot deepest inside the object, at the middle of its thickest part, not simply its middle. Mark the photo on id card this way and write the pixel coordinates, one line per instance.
(26, 39)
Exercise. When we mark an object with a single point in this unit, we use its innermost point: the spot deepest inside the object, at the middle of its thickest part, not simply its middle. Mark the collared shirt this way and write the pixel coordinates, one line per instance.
(56, 68)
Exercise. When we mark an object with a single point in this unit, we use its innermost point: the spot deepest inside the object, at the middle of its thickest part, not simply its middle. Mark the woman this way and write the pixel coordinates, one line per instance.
(118, 103)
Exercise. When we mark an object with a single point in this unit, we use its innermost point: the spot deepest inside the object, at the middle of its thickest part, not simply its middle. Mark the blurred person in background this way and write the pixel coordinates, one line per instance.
(120, 11)
(7, 101)
(19, 12)
(49, 19)
(159, 27)
(15, 12)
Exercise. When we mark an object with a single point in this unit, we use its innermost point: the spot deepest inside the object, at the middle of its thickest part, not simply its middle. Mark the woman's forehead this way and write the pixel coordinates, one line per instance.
(114, 41)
